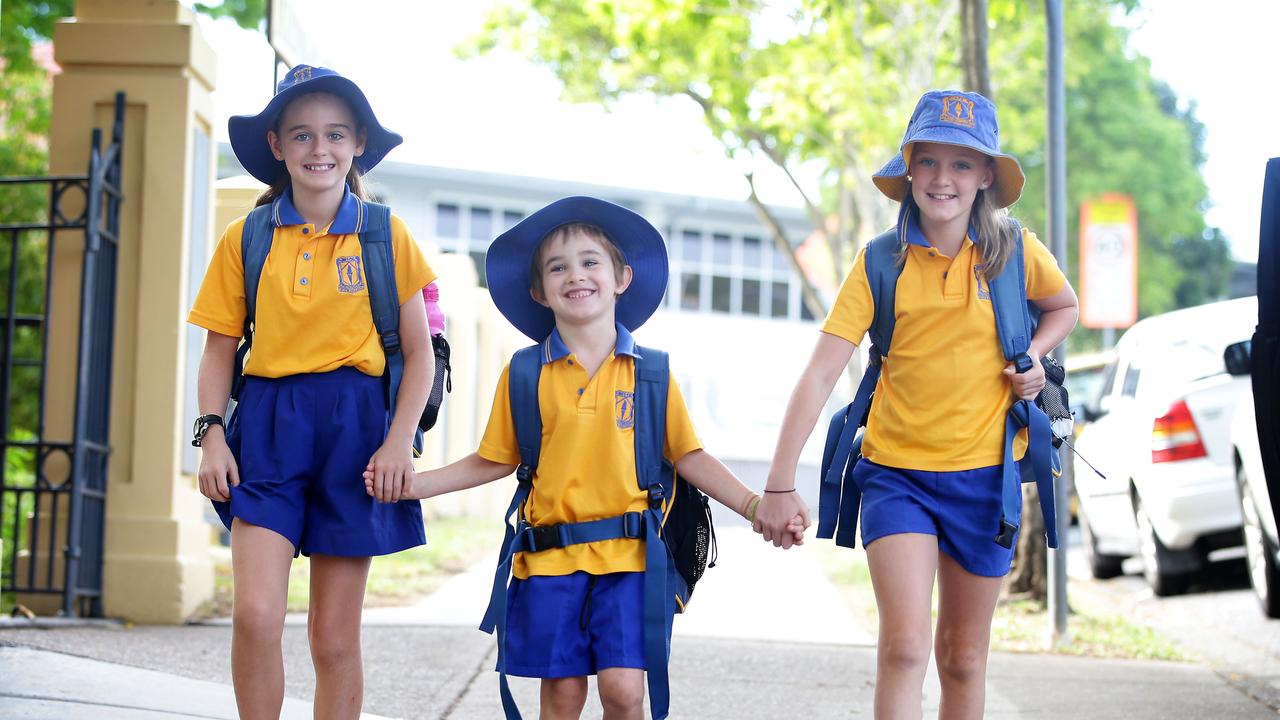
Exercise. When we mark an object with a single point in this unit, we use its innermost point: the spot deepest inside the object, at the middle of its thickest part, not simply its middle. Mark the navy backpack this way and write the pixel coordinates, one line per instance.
(676, 527)
(380, 274)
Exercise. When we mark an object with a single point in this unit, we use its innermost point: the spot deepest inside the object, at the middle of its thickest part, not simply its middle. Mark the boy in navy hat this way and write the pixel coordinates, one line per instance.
(578, 277)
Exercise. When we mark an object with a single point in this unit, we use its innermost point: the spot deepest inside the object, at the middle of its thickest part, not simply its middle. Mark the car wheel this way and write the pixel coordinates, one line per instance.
(1156, 558)
(1259, 552)
(1101, 566)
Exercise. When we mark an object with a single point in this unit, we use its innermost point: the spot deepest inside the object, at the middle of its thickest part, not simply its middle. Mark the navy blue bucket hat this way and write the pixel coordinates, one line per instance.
(953, 117)
(510, 257)
(248, 133)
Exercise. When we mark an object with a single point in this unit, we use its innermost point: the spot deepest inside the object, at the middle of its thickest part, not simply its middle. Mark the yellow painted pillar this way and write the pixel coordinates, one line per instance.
(157, 565)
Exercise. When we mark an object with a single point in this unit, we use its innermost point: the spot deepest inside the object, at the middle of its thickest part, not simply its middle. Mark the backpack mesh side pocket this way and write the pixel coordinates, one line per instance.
(689, 534)
(1054, 401)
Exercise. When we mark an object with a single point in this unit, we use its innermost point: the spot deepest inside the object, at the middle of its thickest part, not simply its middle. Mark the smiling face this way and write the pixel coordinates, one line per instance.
(317, 137)
(580, 278)
(945, 179)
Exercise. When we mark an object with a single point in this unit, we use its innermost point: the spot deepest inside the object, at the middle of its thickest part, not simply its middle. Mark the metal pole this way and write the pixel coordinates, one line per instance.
(1056, 192)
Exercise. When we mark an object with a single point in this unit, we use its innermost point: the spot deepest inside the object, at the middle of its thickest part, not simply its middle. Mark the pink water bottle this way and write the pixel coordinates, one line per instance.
(435, 316)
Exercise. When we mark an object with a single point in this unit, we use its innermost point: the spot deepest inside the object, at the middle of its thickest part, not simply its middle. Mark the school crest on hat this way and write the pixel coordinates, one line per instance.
(957, 109)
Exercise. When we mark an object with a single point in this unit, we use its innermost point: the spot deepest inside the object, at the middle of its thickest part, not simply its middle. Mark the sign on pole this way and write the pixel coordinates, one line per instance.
(1109, 262)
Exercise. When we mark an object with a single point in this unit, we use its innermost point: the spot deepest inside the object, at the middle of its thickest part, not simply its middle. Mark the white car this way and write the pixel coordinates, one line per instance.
(1262, 548)
(1162, 443)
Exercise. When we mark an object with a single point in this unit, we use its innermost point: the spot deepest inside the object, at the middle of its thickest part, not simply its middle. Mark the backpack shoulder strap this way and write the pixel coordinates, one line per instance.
(1009, 302)
(838, 497)
(255, 244)
(384, 298)
(1014, 327)
(653, 373)
(526, 416)
(883, 271)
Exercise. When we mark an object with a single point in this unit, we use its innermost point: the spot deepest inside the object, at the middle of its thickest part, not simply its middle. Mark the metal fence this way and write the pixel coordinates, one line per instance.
(53, 491)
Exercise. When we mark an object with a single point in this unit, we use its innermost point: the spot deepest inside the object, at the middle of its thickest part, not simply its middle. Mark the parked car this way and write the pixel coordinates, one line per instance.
(1261, 541)
(1166, 488)
(1086, 375)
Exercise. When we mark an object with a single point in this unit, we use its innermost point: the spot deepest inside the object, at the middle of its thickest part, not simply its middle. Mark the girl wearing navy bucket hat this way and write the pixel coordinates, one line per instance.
(300, 279)
(931, 473)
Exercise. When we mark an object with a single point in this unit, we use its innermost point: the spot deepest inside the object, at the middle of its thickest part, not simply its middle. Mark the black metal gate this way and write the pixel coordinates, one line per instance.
(53, 492)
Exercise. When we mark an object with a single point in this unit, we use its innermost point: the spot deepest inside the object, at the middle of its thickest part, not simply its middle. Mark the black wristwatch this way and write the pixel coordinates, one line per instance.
(203, 423)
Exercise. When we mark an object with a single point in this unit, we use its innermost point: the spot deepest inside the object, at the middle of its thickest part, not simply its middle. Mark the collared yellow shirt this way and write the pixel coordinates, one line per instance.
(587, 463)
(941, 401)
(313, 311)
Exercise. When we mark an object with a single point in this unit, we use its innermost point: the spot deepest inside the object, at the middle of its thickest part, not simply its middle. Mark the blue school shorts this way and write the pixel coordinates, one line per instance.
(575, 625)
(962, 508)
(301, 444)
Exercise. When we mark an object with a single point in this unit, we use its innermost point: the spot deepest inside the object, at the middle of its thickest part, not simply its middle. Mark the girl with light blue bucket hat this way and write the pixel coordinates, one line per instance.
(930, 478)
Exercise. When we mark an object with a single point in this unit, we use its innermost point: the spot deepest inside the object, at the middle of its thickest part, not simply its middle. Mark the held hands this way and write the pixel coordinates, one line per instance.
(217, 466)
(782, 518)
(389, 475)
(1027, 385)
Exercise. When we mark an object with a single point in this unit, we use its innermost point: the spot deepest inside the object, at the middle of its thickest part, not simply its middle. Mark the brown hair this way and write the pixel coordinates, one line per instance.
(562, 233)
(355, 179)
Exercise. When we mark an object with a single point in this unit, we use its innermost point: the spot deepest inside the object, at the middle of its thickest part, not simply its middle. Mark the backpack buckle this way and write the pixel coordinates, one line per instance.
(524, 473)
(633, 525)
(543, 537)
(1005, 538)
(1023, 363)
(390, 343)
(656, 495)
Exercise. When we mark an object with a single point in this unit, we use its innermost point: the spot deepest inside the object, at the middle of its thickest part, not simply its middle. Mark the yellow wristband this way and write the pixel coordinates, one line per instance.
(752, 505)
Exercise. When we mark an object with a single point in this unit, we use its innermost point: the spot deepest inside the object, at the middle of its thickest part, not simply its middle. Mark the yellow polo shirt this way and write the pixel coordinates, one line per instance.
(941, 401)
(587, 462)
(313, 311)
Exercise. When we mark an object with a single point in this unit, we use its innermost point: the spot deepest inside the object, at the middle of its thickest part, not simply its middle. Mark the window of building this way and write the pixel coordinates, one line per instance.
(447, 220)
(779, 295)
(750, 296)
(721, 294)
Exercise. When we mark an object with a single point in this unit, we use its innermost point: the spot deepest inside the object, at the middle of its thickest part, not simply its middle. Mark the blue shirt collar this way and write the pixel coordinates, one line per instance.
(348, 220)
(555, 349)
(910, 231)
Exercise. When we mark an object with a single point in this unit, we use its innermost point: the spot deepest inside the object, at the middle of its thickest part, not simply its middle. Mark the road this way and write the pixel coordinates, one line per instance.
(1218, 619)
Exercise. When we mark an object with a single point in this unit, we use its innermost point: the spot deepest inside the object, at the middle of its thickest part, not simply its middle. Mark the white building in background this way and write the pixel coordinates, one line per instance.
(733, 319)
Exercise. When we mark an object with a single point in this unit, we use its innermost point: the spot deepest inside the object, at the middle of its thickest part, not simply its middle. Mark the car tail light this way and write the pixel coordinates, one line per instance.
(1174, 435)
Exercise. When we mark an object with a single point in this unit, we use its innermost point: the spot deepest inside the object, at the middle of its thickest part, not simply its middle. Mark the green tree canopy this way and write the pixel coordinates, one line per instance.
(832, 84)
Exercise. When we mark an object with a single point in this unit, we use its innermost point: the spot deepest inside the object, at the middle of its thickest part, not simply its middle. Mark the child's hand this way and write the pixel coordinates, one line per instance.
(796, 528)
(217, 467)
(389, 475)
(1027, 385)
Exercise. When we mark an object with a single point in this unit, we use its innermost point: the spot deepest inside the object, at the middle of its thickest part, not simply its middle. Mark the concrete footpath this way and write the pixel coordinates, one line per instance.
(767, 635)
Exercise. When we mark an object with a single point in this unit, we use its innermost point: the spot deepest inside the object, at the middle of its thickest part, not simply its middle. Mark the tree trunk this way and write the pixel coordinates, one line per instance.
(973, 48)
(1029, 576)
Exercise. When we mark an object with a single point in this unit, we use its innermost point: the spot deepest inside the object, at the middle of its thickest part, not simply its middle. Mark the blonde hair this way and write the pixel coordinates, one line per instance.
(355, 180)
(562, 233)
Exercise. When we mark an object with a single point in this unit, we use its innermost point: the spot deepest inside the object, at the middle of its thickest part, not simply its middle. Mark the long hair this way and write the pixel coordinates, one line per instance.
(355, 180)
(995, 239)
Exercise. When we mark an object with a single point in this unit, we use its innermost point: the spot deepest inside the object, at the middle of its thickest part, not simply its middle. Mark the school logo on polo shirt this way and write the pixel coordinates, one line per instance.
(350, 279)
(957, 109)
(624, 409)
(984, 288)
